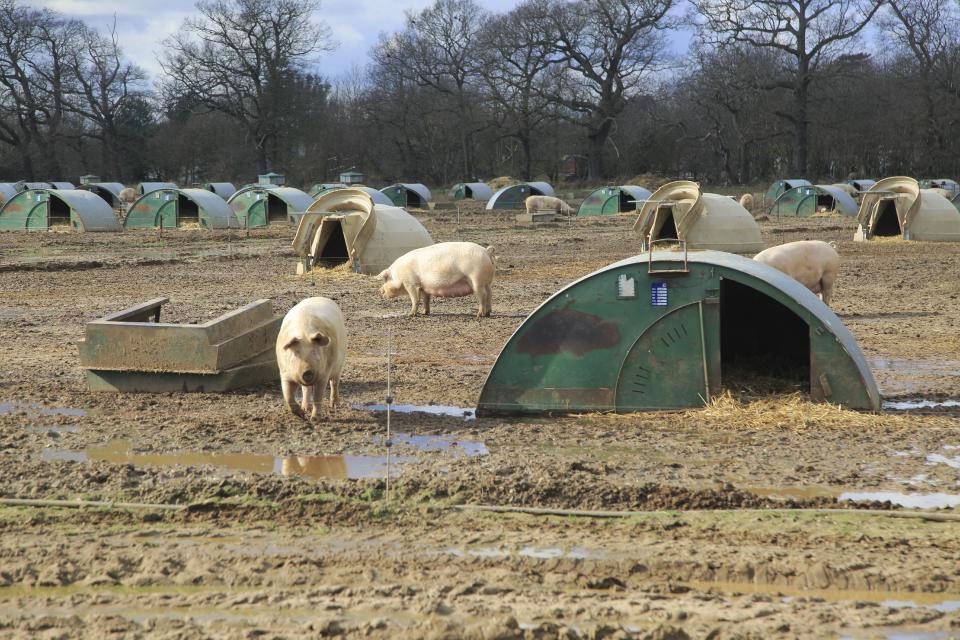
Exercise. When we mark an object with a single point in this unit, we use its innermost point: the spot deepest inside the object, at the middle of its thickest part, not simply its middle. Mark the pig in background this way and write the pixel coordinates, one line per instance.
(311, 349)
(445, 270)
(813, 263)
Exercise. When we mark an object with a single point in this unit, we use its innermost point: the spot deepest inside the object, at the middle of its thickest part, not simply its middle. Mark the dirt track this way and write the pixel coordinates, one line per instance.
(266, 545)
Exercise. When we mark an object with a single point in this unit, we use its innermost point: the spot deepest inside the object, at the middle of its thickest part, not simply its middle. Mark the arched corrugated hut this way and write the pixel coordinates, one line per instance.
(680, 211)
(513, 197)
(671, 331)
(222, 189)
(41, 209)
(471, 191)
(345, 225)
(780, 186)
(814, 199)
(607, 201)
(173, 208)
(412, 195)
(260, 205)
(147, 187)
(108, 191)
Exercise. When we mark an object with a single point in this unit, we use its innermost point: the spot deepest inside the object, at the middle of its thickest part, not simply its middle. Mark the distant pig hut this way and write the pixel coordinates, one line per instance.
(513, 196)
(607, 201)
(347, 226)
(679, 211)
(780, 186)
(42, 209)
(952, 187)
(408, 194)
(471, 191)
(173, 208)
(259, 205)
(108, 191)
(898, 207)
(322, 187)
(222, 189)
(810, 200)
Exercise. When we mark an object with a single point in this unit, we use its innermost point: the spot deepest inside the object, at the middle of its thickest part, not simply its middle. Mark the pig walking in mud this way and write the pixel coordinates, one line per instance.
(813, 263)
(311, 348)
(446, 270)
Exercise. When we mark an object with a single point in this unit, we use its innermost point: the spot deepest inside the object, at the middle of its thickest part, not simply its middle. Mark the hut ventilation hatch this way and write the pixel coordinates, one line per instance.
(346, 226)
(352, 177)
(671, 330)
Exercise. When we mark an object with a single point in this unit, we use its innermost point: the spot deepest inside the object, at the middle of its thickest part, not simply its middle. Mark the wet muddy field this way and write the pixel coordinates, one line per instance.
(279, 527)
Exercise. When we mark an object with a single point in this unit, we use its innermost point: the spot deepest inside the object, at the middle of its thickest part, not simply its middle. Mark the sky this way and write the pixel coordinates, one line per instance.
(142, 24)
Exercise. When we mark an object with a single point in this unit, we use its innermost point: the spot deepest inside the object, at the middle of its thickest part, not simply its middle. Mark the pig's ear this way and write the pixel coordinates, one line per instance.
(384, 275)
(291, 343)
(320, 340)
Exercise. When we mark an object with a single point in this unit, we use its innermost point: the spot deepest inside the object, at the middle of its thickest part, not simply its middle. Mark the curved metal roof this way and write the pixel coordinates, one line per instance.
(63, 185)
(94, 213)
(147, 187)
(8, 190)
(218, 213)
(845, 204)
(113, 187)
(544, 189)
(416, 187)
(480, 190)
(638, 193)
(222, 189)
(377, 196)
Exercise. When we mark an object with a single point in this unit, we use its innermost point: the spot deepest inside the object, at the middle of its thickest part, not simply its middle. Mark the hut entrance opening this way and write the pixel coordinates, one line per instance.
(467, 192)
(887, 223)
(764, 346)
(664, 226)
(276, 209)
(414, 201)
(825, 203)
(627, 202)
(58, 213)
(334, 251)
(187, 211)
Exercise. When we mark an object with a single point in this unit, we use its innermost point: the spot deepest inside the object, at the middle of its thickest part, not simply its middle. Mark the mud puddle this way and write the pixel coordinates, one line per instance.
(32, 408)
(943, 602)
(919, 403)
(539, 553)
(438, 443)
(908, 500)
(343, 467)
(432, 409)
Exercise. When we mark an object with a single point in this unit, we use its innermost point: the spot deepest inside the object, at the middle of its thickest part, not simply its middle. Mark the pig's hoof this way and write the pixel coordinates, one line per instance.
(296, 410)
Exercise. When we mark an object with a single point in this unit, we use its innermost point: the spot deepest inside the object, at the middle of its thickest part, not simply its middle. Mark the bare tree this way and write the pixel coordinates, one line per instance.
(812, 36)
(519, 72)
(105, 85)
(928, 31)
(438, 49)
(241, 58)
(609, 48)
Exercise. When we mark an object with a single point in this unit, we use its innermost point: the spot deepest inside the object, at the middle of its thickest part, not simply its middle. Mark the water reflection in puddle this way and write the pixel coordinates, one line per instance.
(539, 553)
(432, 409)
(66, 428)
(909, 500)
(37, 409)
(936, 458)
(340, 467)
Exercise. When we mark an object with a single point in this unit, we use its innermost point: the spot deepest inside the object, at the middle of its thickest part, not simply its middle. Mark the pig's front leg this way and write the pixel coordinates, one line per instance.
(415, 293)
(289, 388)
(317, 397)
(306, 399)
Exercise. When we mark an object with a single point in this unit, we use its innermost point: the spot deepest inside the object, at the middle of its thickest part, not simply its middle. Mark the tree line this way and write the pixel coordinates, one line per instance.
(562, 89)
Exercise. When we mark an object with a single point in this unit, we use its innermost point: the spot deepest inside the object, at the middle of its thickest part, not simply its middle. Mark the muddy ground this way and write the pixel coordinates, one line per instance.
(289, 529)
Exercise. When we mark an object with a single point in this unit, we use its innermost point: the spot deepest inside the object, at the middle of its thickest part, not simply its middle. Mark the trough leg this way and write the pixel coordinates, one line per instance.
(289, 397)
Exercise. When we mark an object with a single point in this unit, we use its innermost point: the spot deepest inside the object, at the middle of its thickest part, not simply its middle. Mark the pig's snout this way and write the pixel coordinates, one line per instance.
(309, 377)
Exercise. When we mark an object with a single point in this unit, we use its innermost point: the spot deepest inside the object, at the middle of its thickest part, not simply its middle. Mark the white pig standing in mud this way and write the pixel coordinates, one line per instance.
(311, 348)
(446, 270)
(547, 203)
(813, 263)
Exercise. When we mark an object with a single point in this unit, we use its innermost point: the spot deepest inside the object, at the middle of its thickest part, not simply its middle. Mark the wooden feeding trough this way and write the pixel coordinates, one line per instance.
(132, 351)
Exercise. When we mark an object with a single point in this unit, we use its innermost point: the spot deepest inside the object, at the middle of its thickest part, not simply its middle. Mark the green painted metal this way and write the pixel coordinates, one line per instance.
(808, 200)
(38, 210)
(258, 205)
(778, 187)
(154, 209)
(471, 191)
(608, 201)
(640, 335)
